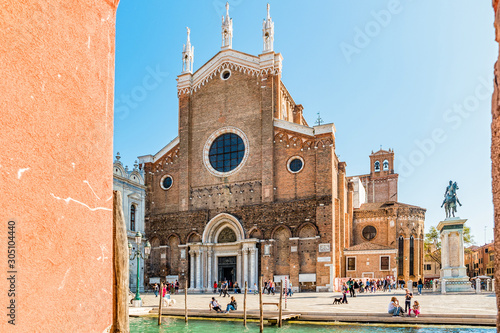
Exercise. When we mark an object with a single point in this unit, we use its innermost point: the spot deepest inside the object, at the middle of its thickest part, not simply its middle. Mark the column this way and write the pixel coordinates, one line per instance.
(202, 268)
(209, 269)
(416, 269)
(256, 275)
(191, 270)
(245, 266)
(252, 266)
(406, 258)
(461, 255)
(198, 269)
(238, 270)
(444, 251)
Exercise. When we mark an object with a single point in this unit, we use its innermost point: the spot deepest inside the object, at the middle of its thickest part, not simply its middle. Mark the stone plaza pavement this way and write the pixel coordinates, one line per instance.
(431, 303)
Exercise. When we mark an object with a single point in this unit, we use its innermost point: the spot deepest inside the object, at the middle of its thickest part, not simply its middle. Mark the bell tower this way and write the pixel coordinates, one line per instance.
(382, 163)
(268, 32)
(227, 30)
(187, 55)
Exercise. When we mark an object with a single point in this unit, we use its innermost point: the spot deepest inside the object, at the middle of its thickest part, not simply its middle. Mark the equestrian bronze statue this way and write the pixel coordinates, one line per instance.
(450, 199)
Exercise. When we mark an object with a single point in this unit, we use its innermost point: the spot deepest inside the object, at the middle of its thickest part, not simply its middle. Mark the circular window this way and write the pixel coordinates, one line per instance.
(225, 74)
(369, 232)
(295, 164)
(166, 182)
(226, 152)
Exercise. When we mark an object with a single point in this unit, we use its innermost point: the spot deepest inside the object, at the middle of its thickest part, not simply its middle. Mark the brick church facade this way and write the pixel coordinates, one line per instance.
(248, 188)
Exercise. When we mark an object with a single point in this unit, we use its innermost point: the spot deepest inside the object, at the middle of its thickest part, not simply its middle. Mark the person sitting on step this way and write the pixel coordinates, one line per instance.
(232, 306)
(416, 309)
(214, 305)
(394, 307)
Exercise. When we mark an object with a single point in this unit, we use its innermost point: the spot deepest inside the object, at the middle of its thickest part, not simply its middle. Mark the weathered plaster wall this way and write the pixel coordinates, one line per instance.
(57, 65)
(495, 158)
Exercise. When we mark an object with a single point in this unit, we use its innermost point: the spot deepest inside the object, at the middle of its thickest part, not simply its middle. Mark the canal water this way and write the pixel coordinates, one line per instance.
(171, 325)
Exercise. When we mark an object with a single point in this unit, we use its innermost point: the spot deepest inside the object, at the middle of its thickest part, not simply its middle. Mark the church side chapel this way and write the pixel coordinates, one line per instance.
(249, 189)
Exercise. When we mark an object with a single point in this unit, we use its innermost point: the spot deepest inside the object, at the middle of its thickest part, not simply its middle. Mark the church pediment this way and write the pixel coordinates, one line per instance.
(233, 60)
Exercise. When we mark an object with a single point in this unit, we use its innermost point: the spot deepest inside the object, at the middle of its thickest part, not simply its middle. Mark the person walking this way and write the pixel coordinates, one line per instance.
(164, 291)
(344, 294)
(177, 285)
(225, 287)
(290, 292)
(156, 289)
(419, 286)
(350, 286)
(221, 290)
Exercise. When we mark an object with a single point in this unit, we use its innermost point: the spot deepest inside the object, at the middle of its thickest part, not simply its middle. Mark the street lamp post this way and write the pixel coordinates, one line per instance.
(138, 254)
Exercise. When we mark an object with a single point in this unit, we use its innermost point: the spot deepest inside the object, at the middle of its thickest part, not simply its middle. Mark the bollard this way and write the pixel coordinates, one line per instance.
(261, 314)
(488, 285)
(161, 301)
(478, 285)
(493, 285)
(443, 286)
(281, 305)
(434, 285)
(245, 306)
(286, 291)
(409, 285)
(186, 300)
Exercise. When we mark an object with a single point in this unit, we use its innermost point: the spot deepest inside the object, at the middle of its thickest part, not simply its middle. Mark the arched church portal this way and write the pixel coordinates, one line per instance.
(223, 254)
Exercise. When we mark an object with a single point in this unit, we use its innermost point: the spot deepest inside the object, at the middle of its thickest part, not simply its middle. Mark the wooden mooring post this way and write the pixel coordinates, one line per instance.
(261, 315)
(245, 306)
(186, 300)
(161, 303)
(121, 267)
(281, 305)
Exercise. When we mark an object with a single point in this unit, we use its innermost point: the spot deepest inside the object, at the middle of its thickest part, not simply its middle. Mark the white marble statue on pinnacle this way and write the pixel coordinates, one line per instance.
(268, 32)
(187, 55)
(227, 30)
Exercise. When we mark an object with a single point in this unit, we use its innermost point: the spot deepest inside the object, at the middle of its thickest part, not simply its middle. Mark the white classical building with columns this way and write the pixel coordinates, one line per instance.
(223, 254)
(131, 185)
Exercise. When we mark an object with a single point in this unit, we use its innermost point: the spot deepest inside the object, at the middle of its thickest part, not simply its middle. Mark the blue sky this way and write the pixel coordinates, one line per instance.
(414, 76)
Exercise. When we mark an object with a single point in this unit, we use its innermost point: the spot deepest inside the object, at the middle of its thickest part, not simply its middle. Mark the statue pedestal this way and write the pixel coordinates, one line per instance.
(452, 255)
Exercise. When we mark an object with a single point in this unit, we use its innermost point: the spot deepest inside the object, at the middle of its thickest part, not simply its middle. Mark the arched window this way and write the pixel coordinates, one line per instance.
(132, 217)
(377, 166)
(411, 256)
(385, 165)
(401, 253)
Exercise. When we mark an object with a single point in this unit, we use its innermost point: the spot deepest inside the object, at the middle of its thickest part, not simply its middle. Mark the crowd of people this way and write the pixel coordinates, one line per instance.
(269, 288)
(353, 286)
(224, 287)
(168, 287)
